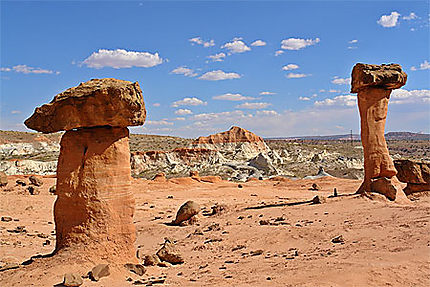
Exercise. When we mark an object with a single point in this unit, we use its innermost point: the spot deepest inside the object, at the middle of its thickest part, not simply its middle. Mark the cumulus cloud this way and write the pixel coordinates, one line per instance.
(232, 97)
(266, 93)
(258, 43)
(353, 41)
(290, 67)
(184, 71)
(278, 53)
(183, 112)
(401, 96)
(297, 75)
(343, 100)
(217, 57)
(218, 75)
(411, 16)
(236, 46)
(158, 123)
(15, 112)
(199, 41)
(341, 81)
(28, 70)
(120, 58)
(189, 102)
(388, 21)
(218, 116)
(156, 104)
(253, 106)
(423, 66)
(178, 119)
(267, 113)
(298, 43)
(304, 98)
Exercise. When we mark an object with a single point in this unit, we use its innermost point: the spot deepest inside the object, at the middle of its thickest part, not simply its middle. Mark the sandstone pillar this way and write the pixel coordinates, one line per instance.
(94, 209)
(374, 84)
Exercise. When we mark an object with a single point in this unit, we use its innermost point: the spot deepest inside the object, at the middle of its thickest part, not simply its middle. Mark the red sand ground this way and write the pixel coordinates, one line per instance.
(386, 243)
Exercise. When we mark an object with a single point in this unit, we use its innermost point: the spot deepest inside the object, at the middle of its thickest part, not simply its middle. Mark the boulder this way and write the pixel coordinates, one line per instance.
(98, 102)
(72, 280)
(415, 173)
(188, 210)
(151, 260)
(170, 254)
(99, 271)
(3, 179)
(135, 268)
(35, 180)
(387, 77)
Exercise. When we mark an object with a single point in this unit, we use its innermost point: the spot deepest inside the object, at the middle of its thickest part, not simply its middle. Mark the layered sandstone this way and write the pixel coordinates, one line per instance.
(98, 102)
(415, 173)
(374, 84)
(94, 209)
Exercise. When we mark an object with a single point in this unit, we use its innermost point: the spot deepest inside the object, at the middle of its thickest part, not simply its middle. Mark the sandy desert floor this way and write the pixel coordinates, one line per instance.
(267, 235)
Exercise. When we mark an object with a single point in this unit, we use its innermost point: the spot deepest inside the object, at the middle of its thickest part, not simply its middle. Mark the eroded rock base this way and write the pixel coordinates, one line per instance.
(94, 209)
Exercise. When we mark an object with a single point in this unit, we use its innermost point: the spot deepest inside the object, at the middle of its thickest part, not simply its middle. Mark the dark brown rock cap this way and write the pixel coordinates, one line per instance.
(98, 102)
(385, 76)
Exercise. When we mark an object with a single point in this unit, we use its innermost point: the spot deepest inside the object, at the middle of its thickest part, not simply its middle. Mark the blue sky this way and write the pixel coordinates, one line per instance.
(277, 68)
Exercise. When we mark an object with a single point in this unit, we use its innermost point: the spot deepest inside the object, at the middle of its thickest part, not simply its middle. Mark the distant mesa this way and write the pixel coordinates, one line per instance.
(98, 102)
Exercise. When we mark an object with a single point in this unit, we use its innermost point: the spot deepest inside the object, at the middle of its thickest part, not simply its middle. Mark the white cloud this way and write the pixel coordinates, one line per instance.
(353, 41)
(218, 116)
(236, 46)
(183, 112)
(411, 16)
(279, 52)
(232, 97)
(159, 123)
(267, 93)
(423, 66)
(258, 43)
(178, 119)
(184, 71)
(401, 96)
(189, 102)
(297, 75)
(267, 113)
(297, 43)
(199, 41)
(217, 57)
(344, 100)
(15, 112)
(304, 98)
(156, 104)
(388, 21)
(218, 75)
(27, 70)
(120, 58)
(290, 67)
(341, 81)
(253, 106)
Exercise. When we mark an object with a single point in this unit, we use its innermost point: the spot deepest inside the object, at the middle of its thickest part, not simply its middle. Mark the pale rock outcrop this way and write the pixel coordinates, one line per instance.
(27, 166)
(415, 173)
(94, 208)
(374, 84)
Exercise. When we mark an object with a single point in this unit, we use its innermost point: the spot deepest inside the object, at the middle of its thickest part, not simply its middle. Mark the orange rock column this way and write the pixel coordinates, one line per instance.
(374, 84)
(94, 209)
